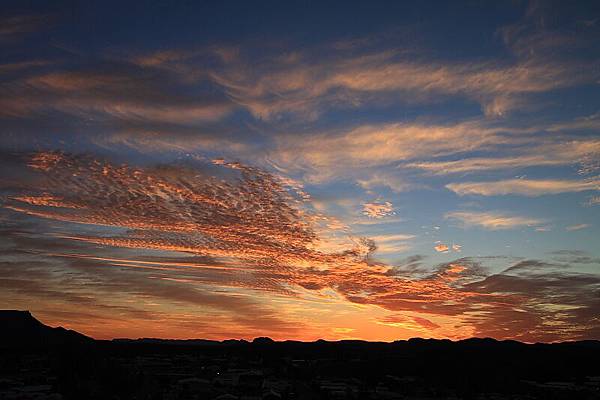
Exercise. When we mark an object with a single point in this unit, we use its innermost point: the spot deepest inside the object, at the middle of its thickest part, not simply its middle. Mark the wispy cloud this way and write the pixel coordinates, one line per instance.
(335, 154)
(306, 84)
(392, 243)
(525, 187)
(21, 24)
(378, 210)
(119, 103)
(492, 220)
(386, 179)
(415, 323)
(593, 200)
(563, 153)
(577, 227)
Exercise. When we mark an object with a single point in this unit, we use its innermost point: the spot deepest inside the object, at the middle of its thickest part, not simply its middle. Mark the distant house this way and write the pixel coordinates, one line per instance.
(271, 395)
(226, 396)
(251, 381)
(337, 389)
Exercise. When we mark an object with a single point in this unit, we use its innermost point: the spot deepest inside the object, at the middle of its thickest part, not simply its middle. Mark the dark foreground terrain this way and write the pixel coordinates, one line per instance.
(39, 362)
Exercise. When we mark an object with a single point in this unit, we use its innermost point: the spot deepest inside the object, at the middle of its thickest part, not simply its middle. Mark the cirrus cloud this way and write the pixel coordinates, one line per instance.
(525, 187)
(378, 210)
(492, 220)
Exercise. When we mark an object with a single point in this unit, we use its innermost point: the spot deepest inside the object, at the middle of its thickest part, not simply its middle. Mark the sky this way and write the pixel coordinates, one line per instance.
(302, 170)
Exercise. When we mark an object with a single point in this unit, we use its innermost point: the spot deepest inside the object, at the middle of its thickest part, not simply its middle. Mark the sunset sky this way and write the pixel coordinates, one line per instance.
(302, 170)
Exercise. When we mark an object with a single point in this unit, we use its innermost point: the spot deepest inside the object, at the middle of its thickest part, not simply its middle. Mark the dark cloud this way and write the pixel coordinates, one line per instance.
(16, 25)
(108, 102)
(574, 257)
(544, 307)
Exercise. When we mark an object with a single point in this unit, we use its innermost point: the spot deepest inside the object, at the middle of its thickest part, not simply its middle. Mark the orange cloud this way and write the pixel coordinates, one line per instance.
(441, 248)
(244, 235)
(410, 322)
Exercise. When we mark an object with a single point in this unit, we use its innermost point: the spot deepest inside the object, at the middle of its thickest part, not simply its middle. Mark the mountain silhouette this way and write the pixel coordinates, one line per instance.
(20, 329)
(39, 361)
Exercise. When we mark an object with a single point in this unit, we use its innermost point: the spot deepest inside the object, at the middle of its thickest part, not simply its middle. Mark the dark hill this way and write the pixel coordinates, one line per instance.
(19, 329)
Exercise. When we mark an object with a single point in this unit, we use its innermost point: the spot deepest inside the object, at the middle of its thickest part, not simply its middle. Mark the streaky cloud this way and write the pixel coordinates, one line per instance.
(492, 220)
(524, 187)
